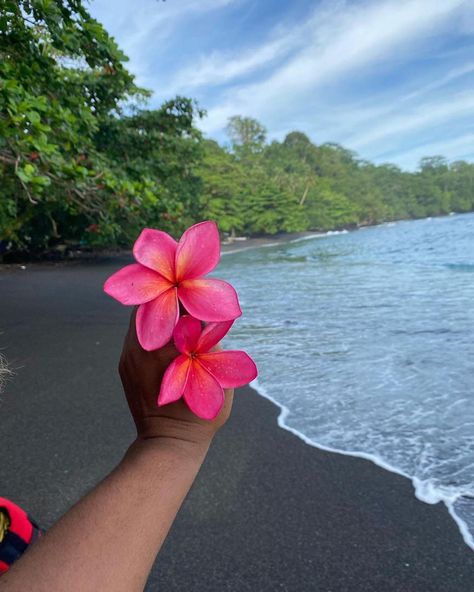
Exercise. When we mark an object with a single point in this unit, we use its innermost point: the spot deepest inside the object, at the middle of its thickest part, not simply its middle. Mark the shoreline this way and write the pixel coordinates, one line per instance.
(285, 412)
(310, 519)
(125, 256)
(103, 257)
(100, 257)
(279, 239)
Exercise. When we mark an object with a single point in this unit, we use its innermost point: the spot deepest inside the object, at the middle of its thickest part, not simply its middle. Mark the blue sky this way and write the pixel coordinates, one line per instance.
(390, 79)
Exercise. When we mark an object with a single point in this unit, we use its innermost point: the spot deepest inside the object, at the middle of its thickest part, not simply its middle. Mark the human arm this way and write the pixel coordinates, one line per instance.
(109, 539)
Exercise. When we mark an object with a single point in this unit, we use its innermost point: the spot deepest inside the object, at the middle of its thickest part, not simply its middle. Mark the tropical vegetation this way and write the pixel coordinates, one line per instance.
(85, 161)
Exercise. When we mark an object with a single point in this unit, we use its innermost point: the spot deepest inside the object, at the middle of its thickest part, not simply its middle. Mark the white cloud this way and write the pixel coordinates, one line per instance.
(370, 122)
(458, 148)
(443, 81)
(148, 25)
(345, 39)
(218, 67)
(427, 114)
(162, 18)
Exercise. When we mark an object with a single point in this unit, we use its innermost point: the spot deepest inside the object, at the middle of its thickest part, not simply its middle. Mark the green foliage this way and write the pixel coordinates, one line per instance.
(82, 159)
(223, 182)
(295, 185)
(60, 74)
(73, 165)
(328, 209)
(163, 148)
(247, 135)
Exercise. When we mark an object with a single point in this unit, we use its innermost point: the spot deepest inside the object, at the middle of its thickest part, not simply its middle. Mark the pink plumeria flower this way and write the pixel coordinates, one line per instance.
(200, 375)
(169, 272)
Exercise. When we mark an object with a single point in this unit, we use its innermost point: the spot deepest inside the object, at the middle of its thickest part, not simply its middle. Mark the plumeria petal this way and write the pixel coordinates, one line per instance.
(174, 380)
(198, 252)
(230, 368)
(157, 319)
(209, 299)
(186, 334)
(157, 250)
(135, 284)
(202, 393)
(212, 334)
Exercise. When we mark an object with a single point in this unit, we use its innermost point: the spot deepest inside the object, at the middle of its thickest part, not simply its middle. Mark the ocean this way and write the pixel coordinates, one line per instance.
(365, 340)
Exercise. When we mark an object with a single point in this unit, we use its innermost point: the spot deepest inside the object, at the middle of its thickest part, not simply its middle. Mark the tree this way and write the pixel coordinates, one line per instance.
(297, 139)
(329, 210)
(223, 193)
(61, 74)
(165, 147)
(246, 134)
(433, 163)
(462, 186)
(81, 159)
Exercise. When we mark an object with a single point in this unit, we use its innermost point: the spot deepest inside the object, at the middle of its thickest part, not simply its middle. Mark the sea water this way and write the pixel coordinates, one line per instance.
(366, 341)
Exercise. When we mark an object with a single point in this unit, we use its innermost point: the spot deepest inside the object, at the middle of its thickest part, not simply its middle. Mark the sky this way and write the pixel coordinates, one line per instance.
(389, 79)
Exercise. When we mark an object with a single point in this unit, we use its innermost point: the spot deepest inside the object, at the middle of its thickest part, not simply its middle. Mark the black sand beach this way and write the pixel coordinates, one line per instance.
(267, 512)
(76, 254)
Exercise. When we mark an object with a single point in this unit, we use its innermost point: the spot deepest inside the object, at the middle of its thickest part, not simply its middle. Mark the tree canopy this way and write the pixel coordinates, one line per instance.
(83, 160)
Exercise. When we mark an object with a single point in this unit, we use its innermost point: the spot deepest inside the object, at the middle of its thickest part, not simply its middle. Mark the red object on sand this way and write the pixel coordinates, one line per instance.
(22, 531)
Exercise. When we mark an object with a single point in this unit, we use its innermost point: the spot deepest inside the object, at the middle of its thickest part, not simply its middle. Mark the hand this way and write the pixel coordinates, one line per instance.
(141, 373)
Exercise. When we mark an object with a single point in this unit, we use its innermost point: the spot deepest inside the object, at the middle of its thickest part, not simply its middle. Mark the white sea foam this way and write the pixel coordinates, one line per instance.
(308, 237)
(336, 232)
(425, 491)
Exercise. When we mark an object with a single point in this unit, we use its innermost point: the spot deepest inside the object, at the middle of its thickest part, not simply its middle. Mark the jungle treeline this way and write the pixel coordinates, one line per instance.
(85, 161)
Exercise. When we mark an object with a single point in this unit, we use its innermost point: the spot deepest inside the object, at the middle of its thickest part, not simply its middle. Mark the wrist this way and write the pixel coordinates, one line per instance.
(171, 445)
(177, 427)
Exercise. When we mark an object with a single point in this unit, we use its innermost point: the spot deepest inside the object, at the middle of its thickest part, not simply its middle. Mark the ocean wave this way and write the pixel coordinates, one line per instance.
(425, 491)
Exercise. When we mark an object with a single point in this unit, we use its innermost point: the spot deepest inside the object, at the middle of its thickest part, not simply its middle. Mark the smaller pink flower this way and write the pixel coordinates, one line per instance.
(200, 375)
(168, 273)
